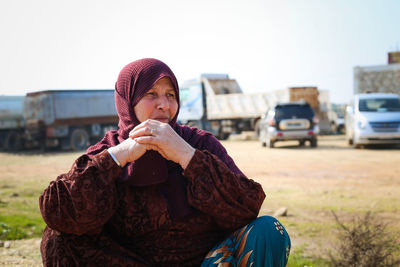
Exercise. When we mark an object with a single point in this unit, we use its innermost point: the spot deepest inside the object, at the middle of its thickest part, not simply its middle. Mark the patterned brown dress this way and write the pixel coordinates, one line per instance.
(92, 220)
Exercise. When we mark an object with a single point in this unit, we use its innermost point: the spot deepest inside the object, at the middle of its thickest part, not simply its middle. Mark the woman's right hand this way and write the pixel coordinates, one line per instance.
(128, 151)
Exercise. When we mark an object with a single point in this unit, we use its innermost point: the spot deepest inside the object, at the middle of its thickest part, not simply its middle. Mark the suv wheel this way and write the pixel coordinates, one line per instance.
(313, 142)
(263, 144)
(270, 143)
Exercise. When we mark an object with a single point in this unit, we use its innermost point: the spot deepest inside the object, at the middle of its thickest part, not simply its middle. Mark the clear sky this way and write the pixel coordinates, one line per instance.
(265, 45)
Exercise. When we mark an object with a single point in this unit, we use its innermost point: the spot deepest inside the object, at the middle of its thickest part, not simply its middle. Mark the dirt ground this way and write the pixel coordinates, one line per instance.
(309, 182)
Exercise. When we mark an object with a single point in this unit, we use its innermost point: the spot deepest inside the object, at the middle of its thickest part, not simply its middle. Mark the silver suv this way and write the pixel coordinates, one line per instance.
(289, 121)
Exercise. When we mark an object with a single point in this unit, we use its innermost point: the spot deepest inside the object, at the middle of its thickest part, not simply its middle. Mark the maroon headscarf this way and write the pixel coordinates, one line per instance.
(134, 80)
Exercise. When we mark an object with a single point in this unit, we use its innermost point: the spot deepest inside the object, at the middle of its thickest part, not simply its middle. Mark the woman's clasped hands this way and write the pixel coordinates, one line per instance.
(154, 135)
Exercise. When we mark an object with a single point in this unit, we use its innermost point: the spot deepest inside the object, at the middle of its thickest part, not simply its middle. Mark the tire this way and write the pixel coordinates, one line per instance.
(263, 144)
(223, 136)
(257, 128)
(302, 142)
(13, 141)
(314, 142)
(195, 124)
(79, 139)
(350, 142)
(340, 129)
(270, 143)
(334, 127)
(355, 145)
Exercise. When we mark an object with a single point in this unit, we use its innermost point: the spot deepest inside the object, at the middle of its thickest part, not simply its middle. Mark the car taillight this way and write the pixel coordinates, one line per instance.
(279, 134)
(272, 122)
(310, 133)
(315, 120)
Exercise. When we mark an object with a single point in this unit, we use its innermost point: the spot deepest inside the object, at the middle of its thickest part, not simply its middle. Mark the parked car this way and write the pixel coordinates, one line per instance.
(373, 119)
(289, 121)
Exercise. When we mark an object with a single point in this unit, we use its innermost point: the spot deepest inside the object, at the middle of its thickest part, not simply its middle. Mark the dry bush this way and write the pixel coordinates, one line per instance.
(365, 243)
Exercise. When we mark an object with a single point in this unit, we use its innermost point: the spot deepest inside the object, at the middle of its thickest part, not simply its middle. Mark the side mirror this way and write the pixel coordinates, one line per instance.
(349, 109)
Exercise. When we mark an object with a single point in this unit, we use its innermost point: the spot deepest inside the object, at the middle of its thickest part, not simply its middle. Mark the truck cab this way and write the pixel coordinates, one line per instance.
(12, 123)
(373, 119)
(217, 104)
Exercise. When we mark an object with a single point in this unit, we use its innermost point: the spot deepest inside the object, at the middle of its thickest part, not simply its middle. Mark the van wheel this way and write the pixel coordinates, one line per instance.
(356, 146)
(13, 141)
(350, 141)
(79, 139)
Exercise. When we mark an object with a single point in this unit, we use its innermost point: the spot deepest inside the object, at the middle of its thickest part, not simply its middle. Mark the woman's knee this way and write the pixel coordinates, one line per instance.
(268, 227)
(272, 235)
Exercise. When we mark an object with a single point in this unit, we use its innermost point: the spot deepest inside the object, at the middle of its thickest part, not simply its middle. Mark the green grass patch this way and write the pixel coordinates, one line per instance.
(20, 227)
(19, 208)
(298, 259)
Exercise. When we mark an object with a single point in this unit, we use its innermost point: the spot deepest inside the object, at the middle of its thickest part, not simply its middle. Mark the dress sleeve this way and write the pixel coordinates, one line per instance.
(217, 187)
(82, 200)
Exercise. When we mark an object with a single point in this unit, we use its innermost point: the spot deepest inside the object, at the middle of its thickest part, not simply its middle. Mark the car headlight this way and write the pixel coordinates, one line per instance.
(362, 123)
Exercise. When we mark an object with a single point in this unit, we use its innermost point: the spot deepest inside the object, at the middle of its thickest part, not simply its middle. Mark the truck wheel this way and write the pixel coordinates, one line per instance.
(223, 136)
(257, 128)
(195, 124)
(13, 141)
(334, 127)
(313, 142)
(340, 129)
(79, 139)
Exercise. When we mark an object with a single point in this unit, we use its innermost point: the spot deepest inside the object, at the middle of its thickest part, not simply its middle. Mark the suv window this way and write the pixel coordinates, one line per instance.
(289, 111)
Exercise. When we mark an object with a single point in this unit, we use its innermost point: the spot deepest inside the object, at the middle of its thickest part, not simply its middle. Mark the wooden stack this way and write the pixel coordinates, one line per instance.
(394, 57)
(308, 94)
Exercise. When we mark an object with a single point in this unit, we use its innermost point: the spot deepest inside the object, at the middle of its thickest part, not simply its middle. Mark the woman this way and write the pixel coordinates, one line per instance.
(156, 193)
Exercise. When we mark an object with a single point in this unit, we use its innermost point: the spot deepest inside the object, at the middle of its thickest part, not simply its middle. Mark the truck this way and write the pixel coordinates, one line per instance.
(12, 122)
(216, 103)
(68, 119)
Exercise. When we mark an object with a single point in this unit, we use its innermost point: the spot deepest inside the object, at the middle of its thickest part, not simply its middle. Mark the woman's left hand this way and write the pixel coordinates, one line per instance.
(165, 140)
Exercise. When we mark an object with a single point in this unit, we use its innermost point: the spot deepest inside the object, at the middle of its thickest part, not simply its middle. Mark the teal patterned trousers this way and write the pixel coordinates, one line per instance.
(263, 242)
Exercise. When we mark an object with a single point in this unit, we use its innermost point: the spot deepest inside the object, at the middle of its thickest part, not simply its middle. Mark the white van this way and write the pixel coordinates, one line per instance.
(373, 119)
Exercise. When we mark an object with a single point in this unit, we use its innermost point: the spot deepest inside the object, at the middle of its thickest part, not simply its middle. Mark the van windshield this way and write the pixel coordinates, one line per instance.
(379, 105)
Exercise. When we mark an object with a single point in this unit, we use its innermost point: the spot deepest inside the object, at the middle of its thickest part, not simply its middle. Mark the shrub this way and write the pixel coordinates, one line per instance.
(365, 243)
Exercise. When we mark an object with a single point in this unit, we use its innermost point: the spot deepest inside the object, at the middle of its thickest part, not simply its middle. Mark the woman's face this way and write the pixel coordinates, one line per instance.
(159, 103)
